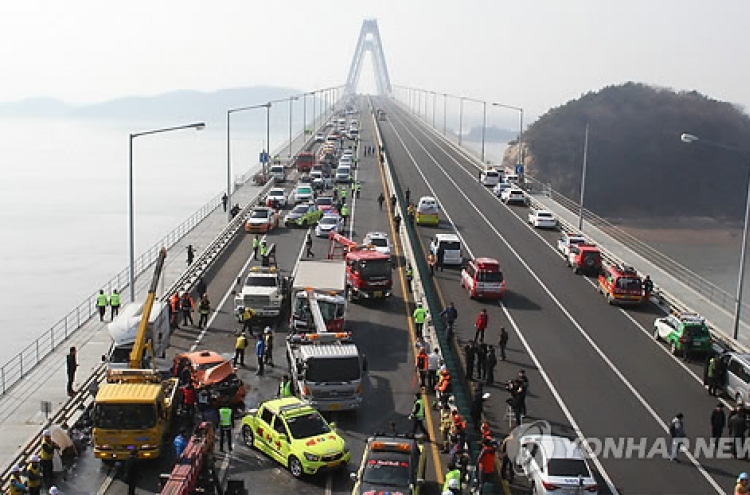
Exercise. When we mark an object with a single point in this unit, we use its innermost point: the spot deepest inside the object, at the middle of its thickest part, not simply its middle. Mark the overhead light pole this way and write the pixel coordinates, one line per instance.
(434, 103)
(292, 99)
(520, 128)
(131, 210)
(445, 111)
(461, 121)
(690, 138)
(583, 177)
(229, 155)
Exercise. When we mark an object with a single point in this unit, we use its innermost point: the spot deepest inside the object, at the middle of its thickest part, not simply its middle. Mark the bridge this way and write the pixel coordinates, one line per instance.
(595, 370)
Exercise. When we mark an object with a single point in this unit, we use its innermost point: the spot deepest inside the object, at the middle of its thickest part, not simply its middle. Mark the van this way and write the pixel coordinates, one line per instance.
(483, 279)
(737, 376)
(278, 172)
(427, 211)
(512, 179)
(620, 284)
(489, 177)
(451, 246)
(343, 174)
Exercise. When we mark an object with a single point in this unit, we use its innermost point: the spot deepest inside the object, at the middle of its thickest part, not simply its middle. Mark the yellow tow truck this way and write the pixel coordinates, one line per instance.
(134, 408)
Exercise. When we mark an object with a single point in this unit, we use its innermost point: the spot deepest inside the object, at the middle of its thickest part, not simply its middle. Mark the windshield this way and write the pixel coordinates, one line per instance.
(304, 190)
(256, 281)
(259, 214)
(337, 369)
(570, 468)
(375, 268)
(309, 425)
(629, 283)
(300, 209)
(329, 220)
(379, 241)
(489, 276)
(544, 214)
(388, 469)
(329, 310)
(450, 245)
(124, 416)
(325, 200)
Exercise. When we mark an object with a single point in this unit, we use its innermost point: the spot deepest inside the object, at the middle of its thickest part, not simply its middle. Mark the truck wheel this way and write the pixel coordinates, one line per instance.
(295, 467)
(656, 334)
(610, 299)
(673, 348)
(247, 436)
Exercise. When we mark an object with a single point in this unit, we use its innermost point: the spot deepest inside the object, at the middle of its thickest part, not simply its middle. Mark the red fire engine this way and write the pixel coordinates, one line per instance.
(368, 272)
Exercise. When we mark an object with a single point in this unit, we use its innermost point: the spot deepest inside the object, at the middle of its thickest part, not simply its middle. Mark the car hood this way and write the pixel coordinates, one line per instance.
(258, 291)
(214, 375)
(258, 220)
(328, 443)
(369, 489)
(323, 226)
(293, 216)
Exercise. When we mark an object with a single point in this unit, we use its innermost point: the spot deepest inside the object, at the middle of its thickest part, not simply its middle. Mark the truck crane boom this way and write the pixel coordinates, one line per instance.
(140, 345)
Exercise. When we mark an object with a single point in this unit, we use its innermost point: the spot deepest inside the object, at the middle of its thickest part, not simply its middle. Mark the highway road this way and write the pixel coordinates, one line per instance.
(381, 331)
(595, 369)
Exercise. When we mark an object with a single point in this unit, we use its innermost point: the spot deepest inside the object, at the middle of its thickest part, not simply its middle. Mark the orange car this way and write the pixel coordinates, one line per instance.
(261, 220)
(212, 372)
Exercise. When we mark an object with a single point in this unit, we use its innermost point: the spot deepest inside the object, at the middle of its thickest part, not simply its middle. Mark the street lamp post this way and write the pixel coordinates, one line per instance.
(445, 111)
(291, 106)
(520, 128)
(131, 214)
(461, 121)
(690, 138)
(434, 102)
(583, 177)
(229, 155)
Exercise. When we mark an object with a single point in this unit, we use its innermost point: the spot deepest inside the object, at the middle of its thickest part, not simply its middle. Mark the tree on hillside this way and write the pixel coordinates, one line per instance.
(637, 164)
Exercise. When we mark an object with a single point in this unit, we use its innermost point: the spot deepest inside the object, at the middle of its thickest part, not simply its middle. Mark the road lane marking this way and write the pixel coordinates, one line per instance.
(569, 316)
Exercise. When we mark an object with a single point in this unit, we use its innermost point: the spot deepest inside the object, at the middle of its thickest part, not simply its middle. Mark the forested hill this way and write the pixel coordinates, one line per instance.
(637, 164)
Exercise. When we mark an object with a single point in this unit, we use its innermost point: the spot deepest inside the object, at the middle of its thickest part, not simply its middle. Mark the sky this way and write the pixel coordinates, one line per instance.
(532, 54)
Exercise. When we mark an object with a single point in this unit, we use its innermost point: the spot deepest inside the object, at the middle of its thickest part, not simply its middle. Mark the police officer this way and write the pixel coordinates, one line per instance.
(226, 423)
(247, 317)
(101, 304)
(263, 253)
(256, 244)
(33, 475)
(114, 302)
(417, 416)
(409, 275)
(239, 349)
(452, 482)
(285, 387)
(344, 213)
(419, 315)
(46, 453)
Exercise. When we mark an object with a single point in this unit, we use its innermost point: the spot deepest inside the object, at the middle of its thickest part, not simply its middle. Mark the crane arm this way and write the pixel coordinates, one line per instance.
(136, 355)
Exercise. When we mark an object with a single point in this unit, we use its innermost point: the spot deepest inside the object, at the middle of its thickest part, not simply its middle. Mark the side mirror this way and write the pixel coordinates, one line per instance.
(332, 425)
(353, 477)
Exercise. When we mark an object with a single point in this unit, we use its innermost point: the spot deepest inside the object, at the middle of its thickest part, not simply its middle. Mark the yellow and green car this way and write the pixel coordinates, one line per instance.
(296, 436)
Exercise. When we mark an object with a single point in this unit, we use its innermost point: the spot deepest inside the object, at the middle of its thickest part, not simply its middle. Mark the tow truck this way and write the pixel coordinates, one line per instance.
(194, 471)
(325, 280)
(134, 408)
(325, 367)
(368, 272)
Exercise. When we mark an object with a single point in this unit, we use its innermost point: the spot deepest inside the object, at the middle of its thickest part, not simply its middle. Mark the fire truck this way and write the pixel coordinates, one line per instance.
(194, 470)
(368, 272)
(326, 368)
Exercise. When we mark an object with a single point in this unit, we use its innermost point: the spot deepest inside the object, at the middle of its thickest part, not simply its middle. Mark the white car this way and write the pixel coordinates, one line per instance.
(379, 240)
(513, 195)
(451, 246)
(542, 219)
(555, 465)
(343, 174)
(276, 198)
(303, 193)
(567, 240)
(346, 161)
(500, 187)
(320, 137)
(327, 224)
(489, 177)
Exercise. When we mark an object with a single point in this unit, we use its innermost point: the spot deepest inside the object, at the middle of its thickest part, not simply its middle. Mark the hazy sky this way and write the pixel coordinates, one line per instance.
(535, 54)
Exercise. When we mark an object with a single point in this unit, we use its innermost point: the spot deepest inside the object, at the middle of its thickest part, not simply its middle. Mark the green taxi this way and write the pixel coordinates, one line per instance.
(391, 464)
(303, 215)
(295, 435)
(675, 328)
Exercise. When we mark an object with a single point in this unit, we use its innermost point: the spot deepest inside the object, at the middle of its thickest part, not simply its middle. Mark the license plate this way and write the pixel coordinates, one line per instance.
(377, 294)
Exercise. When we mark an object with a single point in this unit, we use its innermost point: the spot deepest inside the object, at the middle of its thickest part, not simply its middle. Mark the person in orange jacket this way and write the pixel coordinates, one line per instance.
(174, 310)
(421, 366)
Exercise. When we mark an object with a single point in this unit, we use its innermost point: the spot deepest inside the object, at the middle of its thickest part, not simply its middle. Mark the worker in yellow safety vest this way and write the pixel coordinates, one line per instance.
(285, 387)
(101, 304)
(33, 475)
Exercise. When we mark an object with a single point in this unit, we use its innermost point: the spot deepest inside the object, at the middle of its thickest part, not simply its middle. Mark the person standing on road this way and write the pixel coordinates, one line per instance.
(247, 317)
(393, 201)
(268, 340)
(204, 308)
(433, 365)
(344, 214)
(648, 288)
(409, 277)
(419, 315)
(190, 254)
(226, 424)
(71, 364)
(308, 246)
(407, 196)
(506, 468)
(737, 429)
(481, 325)
(186, 305)
(417, 417)
(718, 422)
(440, 257)
(285, 387)
(712, 375)
(46, 454)
(477, 405)
(101, 304)
(677, 432)
(421, 366)
(180, 442)
(491, 362)
(431, 263)
(260, 353)
(131, 471)
(174, 306)
(239, 350)
(201, 287)
(224, 200)
(503, 342)
(381, 200)
(486, 463)
(470, 352)
(481, 361)
(114, 303)
(742, 487)
(256, 245)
